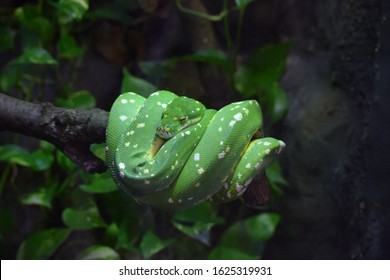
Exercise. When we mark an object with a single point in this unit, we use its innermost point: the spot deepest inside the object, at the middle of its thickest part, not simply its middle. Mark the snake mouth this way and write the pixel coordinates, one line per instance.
(164, 133)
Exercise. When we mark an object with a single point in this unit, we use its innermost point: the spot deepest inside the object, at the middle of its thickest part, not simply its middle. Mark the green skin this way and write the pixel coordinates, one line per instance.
(172, 153)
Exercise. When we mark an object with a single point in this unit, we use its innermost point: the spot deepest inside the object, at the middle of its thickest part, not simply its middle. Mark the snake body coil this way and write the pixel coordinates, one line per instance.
(172, 153)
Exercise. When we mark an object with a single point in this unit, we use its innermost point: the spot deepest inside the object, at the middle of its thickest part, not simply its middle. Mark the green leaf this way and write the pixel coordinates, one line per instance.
(7, 38)
(212, 56)
(71, 10)
(68, 47)
(100, 183)
(38, 160)
(110, 235)
(42, 244)
(131, 83)
(82, 219)
(276, 102)
(241, 4)
(260, 76)
(118, 10)
(82, 99)
(152, 244)
(158, 71)
(26, 13)
(224, 253)
(64, 162)
(199, 231)
(99, 150)
(128, 234)
(42, 160)
(46, 146)
(197, 222)
(275, 175)
(42, 196)
(251, 235)
(275, 178)
(35, 30)
(15, 154)
(10, 75)
(263, 68)
(43, 28)
(203, 212)
(36, 55)
(99, 252)
(38, 30)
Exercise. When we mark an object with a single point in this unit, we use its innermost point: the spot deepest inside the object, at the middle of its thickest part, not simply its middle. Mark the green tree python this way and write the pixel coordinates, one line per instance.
(172, 153)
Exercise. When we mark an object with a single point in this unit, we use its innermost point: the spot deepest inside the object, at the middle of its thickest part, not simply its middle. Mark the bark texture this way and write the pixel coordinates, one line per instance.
(72, 131)
(337, 132)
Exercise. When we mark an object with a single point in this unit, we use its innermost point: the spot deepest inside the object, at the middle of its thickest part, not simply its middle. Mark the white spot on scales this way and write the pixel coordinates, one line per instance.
(197, 157)
(238, 117)
(221, 155)
(123, 118)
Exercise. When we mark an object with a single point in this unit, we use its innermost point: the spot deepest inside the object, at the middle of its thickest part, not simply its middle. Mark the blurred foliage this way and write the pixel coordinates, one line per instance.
(84, 216)
(260, 76)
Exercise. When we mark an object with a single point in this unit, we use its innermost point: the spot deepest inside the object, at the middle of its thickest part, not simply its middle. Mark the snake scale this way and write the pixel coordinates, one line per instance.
(172, 153)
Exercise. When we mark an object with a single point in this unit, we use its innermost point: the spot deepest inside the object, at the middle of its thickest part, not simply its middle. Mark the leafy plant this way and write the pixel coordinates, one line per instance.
(260, 76)
(246, 239)
(42, 38)
(42, 244)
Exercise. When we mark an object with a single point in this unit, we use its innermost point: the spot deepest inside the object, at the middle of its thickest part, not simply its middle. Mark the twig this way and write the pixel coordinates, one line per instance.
(201, 14)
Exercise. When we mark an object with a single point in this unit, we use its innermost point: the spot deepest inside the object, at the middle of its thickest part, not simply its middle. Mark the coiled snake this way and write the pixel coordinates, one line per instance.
(172, 153)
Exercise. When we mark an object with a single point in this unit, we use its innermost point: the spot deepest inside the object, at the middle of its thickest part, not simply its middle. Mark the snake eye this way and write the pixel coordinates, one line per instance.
(182, 118)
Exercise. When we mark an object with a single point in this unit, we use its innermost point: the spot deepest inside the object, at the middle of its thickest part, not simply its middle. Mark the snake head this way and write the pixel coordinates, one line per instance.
(180, 113)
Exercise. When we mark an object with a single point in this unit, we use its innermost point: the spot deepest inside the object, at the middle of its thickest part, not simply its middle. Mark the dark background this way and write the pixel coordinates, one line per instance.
(337, 204)
(337, 130)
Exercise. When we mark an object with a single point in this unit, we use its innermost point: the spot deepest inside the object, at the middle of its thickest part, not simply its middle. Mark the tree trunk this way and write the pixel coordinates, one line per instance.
(336, 131)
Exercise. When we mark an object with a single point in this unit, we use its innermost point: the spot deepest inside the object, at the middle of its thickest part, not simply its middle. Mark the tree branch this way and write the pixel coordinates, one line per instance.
(71, 130)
